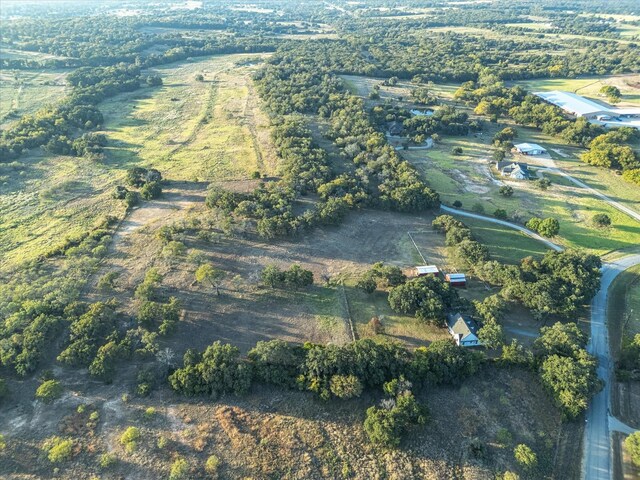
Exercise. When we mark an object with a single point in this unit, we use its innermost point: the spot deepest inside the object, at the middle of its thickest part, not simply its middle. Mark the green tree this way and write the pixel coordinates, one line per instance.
(632, 444)
(49, 391)
(179, 470)
(601, 220)
(525, 456)
(207, 273)
(345, 386)
(506, 191)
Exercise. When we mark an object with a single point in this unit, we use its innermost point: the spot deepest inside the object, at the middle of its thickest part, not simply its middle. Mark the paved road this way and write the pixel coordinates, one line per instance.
(551, 166)
(515, 226)
(596, 459)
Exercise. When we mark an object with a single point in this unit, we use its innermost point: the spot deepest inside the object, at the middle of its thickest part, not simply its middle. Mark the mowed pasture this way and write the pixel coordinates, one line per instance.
(471, 179)
(25, 91)
(246, 312)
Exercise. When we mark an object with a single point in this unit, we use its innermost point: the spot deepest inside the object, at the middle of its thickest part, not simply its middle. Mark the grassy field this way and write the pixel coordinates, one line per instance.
(215, 122)
(211, 131)
(470, 179)
(25, 91)
(629, 86)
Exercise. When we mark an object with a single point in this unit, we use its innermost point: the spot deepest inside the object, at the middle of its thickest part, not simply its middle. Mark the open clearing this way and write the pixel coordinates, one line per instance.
(25, 91)
(45, 198)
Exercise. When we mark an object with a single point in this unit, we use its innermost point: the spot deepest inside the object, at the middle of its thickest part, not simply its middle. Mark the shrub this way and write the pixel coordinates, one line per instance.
(504, 437)
(149, 413)
(477, 207)
(457, 204)
(49, 391)
(3, 442)
(543, 183)
(131, 199)
(58, 449)
(151, 190)
(212, 465)
(179, 470)
(345, 386)
(174, 249)
(506, 191)
(500, 213)
(601, 220)
(457, 150)
(129, 439)
(107, 460)
(525, 456)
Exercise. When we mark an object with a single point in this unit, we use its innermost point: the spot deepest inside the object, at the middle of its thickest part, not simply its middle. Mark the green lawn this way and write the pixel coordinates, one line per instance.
(186, 129)
(466, 178)
(505, 244)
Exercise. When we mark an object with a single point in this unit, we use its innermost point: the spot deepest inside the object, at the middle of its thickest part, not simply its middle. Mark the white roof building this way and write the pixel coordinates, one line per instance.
(530, 148)
(427, 270)
(579, 106)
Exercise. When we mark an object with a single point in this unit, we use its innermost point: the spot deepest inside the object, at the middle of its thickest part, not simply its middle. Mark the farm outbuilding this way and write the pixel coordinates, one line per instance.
(529, 149)
(464, 330)
(423, 270)
(456, 279)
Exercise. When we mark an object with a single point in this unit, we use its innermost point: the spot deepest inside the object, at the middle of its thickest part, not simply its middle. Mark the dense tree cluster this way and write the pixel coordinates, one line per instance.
(295, 277)
(559, 283)
(327, 370)
(566, 369)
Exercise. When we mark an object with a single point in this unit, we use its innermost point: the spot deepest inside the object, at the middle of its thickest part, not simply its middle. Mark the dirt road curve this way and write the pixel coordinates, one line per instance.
(596, 459)
(515, 226)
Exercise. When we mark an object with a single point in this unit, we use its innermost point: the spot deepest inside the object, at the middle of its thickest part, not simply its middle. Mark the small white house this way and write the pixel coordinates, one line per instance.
(530, 149)
(464, 330)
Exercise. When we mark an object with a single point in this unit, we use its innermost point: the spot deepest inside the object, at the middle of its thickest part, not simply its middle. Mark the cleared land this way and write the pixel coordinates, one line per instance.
(213, 130)
(24, 91)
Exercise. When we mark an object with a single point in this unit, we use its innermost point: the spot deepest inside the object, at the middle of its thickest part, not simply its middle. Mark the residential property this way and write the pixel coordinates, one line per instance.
(464, 330)
(596, 112)
(456, 279)
(529, 149)
(424, 270)
(515, 170)
(395, 129)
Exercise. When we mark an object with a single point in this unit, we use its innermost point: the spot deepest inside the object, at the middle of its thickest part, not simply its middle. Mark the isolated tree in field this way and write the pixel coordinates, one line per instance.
(601, 220)
(543, 183)
(612, 93)
(199, 77)
(208, 274)
(525, 456)
(632, 443)
(506, 191)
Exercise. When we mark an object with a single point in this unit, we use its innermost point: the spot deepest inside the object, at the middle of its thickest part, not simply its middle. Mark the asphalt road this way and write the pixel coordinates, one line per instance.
(596, 459)
(515, 226)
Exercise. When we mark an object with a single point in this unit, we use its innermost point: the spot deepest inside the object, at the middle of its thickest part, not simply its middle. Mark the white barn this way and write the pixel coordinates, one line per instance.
(530, 149)
(579, 106)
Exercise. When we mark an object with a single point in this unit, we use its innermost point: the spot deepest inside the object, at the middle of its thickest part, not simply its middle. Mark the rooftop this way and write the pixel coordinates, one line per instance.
(528, 146)
(462, 325)
(423, 269)
(579, 105)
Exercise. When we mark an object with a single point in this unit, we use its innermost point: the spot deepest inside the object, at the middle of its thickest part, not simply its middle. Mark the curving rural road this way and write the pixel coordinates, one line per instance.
(515, 226)
(596, 459)
(550, 166)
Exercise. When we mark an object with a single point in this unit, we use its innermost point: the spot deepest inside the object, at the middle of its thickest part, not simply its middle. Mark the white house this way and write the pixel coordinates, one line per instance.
(529, 149)
(464, 330)
(515, 170)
